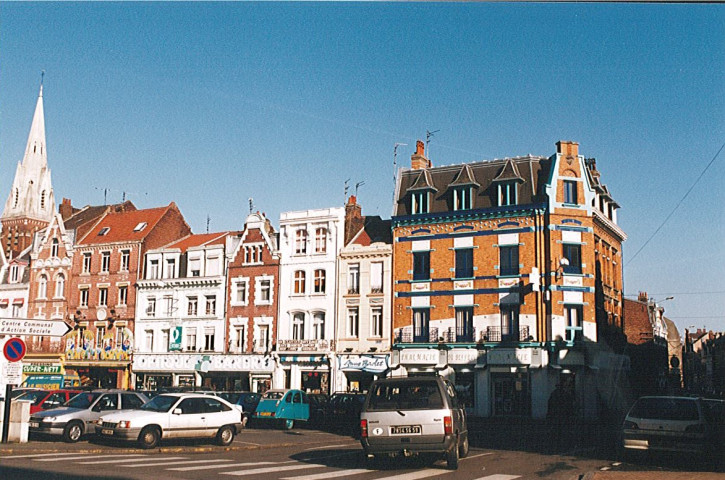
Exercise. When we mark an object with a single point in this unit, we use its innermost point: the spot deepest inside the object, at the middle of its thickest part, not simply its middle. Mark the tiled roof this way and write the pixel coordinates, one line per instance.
(91, 213)
(199, 240)
(123, 226)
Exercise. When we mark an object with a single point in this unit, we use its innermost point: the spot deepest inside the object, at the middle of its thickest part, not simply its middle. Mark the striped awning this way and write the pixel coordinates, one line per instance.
(302, 358)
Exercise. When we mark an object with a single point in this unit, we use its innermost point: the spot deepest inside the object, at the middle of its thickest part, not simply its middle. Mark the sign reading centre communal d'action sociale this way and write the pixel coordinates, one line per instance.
(24, 326)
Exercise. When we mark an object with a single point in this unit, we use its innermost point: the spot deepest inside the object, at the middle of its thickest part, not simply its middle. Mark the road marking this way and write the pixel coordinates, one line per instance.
(333, 446)
(257, 471)
(499, 476)
(416, 475)
(35, 455)
(209, 467)
(138, 465)
(335, 474)
(479, 455)
(68, 459)
(124, 460)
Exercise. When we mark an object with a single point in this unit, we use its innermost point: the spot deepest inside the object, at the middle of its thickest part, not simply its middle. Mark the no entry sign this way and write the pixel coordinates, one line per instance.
(14, 349)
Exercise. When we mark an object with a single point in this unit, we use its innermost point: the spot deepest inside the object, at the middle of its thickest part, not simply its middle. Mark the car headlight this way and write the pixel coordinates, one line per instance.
(124, 424)
(49, 419)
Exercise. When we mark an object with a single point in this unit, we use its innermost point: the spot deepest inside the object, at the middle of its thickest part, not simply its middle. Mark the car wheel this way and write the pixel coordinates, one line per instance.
(149, 437)
(288, 424)
(452, 457)
(73, 432)
(225, 436)
(463, 450)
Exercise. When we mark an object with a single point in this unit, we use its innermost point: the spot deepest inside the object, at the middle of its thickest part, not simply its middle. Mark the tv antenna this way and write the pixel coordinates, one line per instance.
(347, 187)
(428, 136)
(208, 221)
(357, 185)
(251, 205)
(395, 164)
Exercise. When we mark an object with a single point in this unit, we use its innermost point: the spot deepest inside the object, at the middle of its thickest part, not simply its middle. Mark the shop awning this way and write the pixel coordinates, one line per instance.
(4, 302)
(303, 358)
(18, 301)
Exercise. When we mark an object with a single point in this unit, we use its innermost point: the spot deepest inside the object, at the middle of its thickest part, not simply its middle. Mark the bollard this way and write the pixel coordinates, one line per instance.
(19, 422)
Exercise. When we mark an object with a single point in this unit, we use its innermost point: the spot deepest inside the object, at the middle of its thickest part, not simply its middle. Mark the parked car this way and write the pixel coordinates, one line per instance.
(78, 415)
(319, 403)
(22, 390)
(46, 399)
(343, 411)
(668, 424)
(174, 415)
(247, 400)
(284, 406)
(414, 415)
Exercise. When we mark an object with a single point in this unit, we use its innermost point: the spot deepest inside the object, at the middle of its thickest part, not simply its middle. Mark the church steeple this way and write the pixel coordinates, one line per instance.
(31, 203)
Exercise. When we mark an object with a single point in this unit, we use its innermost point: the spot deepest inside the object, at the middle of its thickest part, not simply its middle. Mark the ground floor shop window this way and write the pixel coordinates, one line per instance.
(359, 381)
(511, 394)
(152, 382)
(466, 390)
(261, 384)
(186, 381)
(316, 382)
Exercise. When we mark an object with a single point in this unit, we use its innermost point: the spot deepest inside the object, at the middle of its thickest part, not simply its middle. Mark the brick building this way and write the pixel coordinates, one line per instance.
(497, 267)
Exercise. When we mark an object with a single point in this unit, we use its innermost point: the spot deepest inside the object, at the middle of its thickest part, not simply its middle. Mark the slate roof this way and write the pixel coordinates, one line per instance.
(374, 230)
(91, 213)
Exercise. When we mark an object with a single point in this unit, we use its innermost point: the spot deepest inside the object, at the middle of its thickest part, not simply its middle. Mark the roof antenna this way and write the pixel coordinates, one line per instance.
(395, 165)
(358, 184)
(251, 205)
(208, 220)
(428, 136)
(346, 188)
(42, 74)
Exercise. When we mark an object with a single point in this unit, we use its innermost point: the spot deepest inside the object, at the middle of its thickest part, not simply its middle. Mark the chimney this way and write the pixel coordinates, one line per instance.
(353, 218)
(567, 147)
(642, 297)
(65, 209)
(418, 160)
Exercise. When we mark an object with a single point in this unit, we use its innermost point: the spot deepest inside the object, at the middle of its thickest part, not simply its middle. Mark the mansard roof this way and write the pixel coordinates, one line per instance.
(464, 177)
(423, 181)
(509, 172)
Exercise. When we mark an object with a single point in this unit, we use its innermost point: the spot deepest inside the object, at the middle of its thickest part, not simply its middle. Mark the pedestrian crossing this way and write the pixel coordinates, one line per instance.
(311, 468)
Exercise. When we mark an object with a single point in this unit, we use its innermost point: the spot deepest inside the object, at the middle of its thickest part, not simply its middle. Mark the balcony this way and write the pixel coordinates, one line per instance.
(405, 335)
(505, 334)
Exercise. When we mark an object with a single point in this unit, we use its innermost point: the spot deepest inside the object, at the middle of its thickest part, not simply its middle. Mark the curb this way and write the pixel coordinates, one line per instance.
(174, 449)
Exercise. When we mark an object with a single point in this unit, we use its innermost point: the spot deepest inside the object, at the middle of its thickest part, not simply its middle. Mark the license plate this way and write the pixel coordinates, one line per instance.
(34, 424)
(107, 431)
(265, 414)
(406, 430)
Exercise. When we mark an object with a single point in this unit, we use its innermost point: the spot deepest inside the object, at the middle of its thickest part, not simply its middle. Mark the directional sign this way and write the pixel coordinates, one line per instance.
(14, 349)
(26, 326)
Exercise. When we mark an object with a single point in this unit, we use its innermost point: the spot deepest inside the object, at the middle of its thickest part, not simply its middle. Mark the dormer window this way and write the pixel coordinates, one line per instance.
(462, 198)
(140, 227)
(54, 248)
(14, 274)
(507, 193)
(104, 231)
(419, 202)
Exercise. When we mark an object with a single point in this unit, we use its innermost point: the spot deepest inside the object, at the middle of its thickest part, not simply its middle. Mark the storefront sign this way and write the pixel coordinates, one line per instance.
(187, 362)
(509, 356)
(420, 357)
(462, 356)
(365, 363)
(83, 346)
(304, 345)
(34, 368)
(175, 340)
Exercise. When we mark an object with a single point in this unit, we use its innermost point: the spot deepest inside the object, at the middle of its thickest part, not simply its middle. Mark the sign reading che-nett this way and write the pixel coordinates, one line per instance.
(26, 326)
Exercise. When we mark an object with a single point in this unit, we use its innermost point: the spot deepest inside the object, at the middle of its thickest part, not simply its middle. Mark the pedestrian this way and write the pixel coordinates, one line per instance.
(559, 414)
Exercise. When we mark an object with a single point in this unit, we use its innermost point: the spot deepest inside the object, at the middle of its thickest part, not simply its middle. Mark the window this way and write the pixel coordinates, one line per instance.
(376, 320)
(129, 401)
(265, 291)
(54, 248)
(318, 326)
(211, 305)
(301, 242)
(153, 272)
(240, 292)
(102, 296)
(149, 340)
(464, 263)
(510, 322)
(574, 316)
(42, 286)
(151, 307)
(353, 322)
(573, 253)
(169, 305)
(212, 266)
(192, 306)
(87, 262)
(462, 198)
(298, 326)
(122, 295)
(165, 340)
(238, 341)
(353, 278)
(321, 240)
(125, 256)
(140, 227)
(171, 268)
(570, 192)
(83, 300)
(209, 338)
(421, 320)
(105, 261)
(376, 277)
(60, 286)
(299, 282)
(100, 333)
(319, 280)
(14, 274)
(190, 339)
(262, 341)
(421, 265)
(419, 202)
(506, 194)
(102, 232)
(509, 260)
(195, 267)
(464, 324)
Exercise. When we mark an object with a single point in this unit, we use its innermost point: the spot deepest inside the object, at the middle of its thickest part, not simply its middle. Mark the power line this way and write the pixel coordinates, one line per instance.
(675, 293)
(676, 206)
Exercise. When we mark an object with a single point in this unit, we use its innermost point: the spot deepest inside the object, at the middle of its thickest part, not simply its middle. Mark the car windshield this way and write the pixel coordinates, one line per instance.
(35, 397)
(272, 395)
(405, 396)
(82, 400)
(160, 403)
(230, 397)
(665, 409)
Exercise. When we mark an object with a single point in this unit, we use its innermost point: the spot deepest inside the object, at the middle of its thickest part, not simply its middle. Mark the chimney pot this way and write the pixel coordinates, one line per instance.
(419, 147)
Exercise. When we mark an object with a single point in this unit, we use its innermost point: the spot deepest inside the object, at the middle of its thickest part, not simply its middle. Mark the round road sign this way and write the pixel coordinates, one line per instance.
(14, 349)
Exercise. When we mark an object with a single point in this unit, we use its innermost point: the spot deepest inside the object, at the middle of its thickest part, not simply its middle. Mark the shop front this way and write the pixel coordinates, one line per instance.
(310, 373)
(49, 376)
(355, 373)
(212, 371)
(103, 362)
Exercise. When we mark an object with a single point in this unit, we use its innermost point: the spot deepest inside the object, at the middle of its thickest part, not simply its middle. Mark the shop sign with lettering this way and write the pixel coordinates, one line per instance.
(365, 363)
(420, 357)
(509, 356)
(462, 356)
(32, 368)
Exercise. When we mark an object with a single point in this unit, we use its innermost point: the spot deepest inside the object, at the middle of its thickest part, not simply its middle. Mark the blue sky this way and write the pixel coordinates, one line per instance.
(209, 104)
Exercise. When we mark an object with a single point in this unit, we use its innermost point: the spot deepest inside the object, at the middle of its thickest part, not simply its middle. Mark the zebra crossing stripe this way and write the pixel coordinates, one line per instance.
(124, 460)
(429, 472)
(84, 457)
(499, 476)
(258, 471)
(34, 455)
(162, 462)
(209, 467)
(335, 474)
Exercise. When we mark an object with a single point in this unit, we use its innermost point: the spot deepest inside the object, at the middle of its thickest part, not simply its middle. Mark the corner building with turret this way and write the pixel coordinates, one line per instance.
(507, 279)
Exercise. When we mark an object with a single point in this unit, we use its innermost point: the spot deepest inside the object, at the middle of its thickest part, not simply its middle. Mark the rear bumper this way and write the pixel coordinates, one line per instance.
(685, 443)
(415, 444)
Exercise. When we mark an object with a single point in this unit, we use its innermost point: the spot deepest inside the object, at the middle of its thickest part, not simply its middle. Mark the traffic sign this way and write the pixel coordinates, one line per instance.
(27, 326)
(14, 349)
(13, 373)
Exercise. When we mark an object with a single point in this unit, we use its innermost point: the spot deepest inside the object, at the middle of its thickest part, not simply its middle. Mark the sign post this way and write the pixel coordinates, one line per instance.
(14, 351)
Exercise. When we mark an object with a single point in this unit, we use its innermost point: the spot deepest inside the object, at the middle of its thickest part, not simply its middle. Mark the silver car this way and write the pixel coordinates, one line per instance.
(414, 415)
(78, 415)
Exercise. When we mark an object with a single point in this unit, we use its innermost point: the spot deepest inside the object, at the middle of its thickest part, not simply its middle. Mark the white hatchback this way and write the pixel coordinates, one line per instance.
(174, 415)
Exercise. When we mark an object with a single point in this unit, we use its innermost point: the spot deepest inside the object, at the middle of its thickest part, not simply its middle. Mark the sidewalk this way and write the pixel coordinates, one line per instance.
(652, 476)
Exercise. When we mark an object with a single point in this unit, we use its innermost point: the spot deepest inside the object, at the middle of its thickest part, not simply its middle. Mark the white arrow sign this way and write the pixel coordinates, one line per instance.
(26, 326)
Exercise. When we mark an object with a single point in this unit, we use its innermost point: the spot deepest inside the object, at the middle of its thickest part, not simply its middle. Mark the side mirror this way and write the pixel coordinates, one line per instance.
(177, 411)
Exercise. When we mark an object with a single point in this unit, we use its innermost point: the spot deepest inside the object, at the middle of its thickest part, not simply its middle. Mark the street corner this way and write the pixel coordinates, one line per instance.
(649, 475)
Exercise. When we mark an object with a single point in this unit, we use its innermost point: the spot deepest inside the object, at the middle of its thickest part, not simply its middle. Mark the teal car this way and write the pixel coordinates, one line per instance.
(284, 407)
